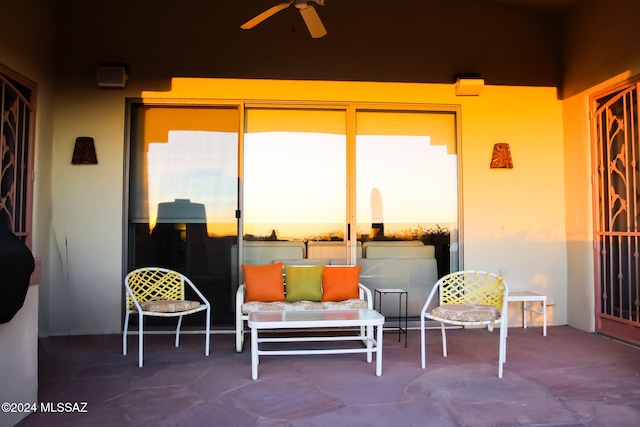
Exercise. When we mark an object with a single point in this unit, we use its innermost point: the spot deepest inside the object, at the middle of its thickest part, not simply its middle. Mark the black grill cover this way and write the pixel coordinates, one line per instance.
(16, 266)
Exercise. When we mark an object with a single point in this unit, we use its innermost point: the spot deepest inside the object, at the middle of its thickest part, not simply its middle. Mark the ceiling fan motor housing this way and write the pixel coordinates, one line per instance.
(302, 4)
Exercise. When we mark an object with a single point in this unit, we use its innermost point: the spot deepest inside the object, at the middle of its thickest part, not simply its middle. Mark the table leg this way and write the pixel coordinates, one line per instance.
(379, 352)
(399, 315)
(544, 317)
(524, 314)
(406, 318)
(369, 344)
(254, 353)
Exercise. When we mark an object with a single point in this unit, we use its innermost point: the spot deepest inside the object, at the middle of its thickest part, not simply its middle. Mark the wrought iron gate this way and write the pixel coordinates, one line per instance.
(616, 211)
(16, 157)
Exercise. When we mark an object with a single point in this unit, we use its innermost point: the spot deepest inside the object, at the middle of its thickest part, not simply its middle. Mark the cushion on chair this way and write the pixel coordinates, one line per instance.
(350, 304)
(340, 283)
(169, 306)
(251, 306)
(466, 312)
(304, 283)
(263, 282)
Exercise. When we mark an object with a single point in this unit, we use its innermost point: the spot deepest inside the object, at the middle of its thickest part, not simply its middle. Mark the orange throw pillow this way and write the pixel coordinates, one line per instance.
(263, 282)
(340, 283)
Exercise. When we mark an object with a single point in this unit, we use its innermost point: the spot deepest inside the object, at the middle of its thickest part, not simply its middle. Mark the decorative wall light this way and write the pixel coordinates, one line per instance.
(501, 157)
(84, 152)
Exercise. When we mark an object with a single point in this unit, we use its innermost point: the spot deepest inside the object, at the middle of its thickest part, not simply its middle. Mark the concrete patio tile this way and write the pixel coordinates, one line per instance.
(97, 415)
(171, 375)
(150, 405)
(417, 412)
(615, 385)
(83, 389)
(222, 378)
(283, 397)
(603, 415)
(390, 387)
(569, 378)
(474, 395)
(221, 411)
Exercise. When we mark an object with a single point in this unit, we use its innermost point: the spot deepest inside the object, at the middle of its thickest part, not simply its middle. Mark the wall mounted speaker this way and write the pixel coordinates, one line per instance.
(111, 76)
(469, 87)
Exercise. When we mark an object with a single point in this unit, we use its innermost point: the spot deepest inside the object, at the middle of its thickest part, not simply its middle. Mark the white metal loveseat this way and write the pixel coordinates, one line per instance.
(244, 307)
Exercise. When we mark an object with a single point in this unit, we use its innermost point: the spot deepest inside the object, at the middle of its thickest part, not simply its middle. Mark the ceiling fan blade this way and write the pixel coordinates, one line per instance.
(264, 15)
(314, 24)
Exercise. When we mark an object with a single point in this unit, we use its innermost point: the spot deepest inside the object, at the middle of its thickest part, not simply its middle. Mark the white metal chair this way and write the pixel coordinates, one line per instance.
(468, 298)
(156, 291)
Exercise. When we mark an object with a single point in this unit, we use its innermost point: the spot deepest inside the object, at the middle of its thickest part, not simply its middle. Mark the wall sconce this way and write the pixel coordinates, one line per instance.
(468, 86)
(84, 152)
(501, 157)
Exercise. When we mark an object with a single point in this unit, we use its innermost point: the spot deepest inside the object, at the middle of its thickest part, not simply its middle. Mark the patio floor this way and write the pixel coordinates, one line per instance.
(569, 378)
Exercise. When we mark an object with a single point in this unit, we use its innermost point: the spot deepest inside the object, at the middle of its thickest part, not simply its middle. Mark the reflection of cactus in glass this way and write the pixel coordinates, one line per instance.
(377, 220)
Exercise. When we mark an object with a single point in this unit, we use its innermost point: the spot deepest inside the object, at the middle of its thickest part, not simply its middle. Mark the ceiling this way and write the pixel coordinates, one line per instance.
(557, 5)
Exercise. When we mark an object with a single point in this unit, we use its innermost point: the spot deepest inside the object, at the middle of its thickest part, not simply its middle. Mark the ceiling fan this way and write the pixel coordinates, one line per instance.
(309, 15)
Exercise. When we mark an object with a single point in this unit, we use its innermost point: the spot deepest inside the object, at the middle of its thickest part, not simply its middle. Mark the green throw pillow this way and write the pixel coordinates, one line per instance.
(304, 283)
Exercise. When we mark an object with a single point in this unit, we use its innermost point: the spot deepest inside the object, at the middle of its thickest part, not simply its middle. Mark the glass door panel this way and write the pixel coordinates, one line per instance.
(407, 183)
(183, 196)
(406, 201)
(294, 184)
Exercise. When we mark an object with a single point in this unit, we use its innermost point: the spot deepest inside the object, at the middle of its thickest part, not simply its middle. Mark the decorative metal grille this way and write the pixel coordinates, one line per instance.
(15, 131)
(618, 206)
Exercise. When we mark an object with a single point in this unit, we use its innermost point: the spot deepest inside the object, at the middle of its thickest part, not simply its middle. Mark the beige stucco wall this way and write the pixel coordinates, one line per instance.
(511, 216)
(85, 297)
(514, 219)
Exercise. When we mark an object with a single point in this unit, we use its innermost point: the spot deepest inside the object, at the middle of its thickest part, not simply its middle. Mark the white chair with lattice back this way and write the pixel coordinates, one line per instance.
(156, 291)
(468, 298)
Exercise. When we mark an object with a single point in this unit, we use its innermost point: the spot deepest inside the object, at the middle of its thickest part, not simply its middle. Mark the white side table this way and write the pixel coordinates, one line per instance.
(525, 297)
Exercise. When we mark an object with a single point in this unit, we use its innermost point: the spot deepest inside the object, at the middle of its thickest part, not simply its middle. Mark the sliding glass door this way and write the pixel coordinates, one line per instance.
(183, 190)
(304, 184)
(306, 180)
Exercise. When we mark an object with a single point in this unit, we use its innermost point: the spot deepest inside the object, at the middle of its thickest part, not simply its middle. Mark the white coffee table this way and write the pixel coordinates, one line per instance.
(526, 297)
(319, 319)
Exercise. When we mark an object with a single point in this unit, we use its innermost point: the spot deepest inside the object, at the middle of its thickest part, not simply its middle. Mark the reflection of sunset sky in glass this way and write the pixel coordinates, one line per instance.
(295, 182)
(199, 166)
(417, 181)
